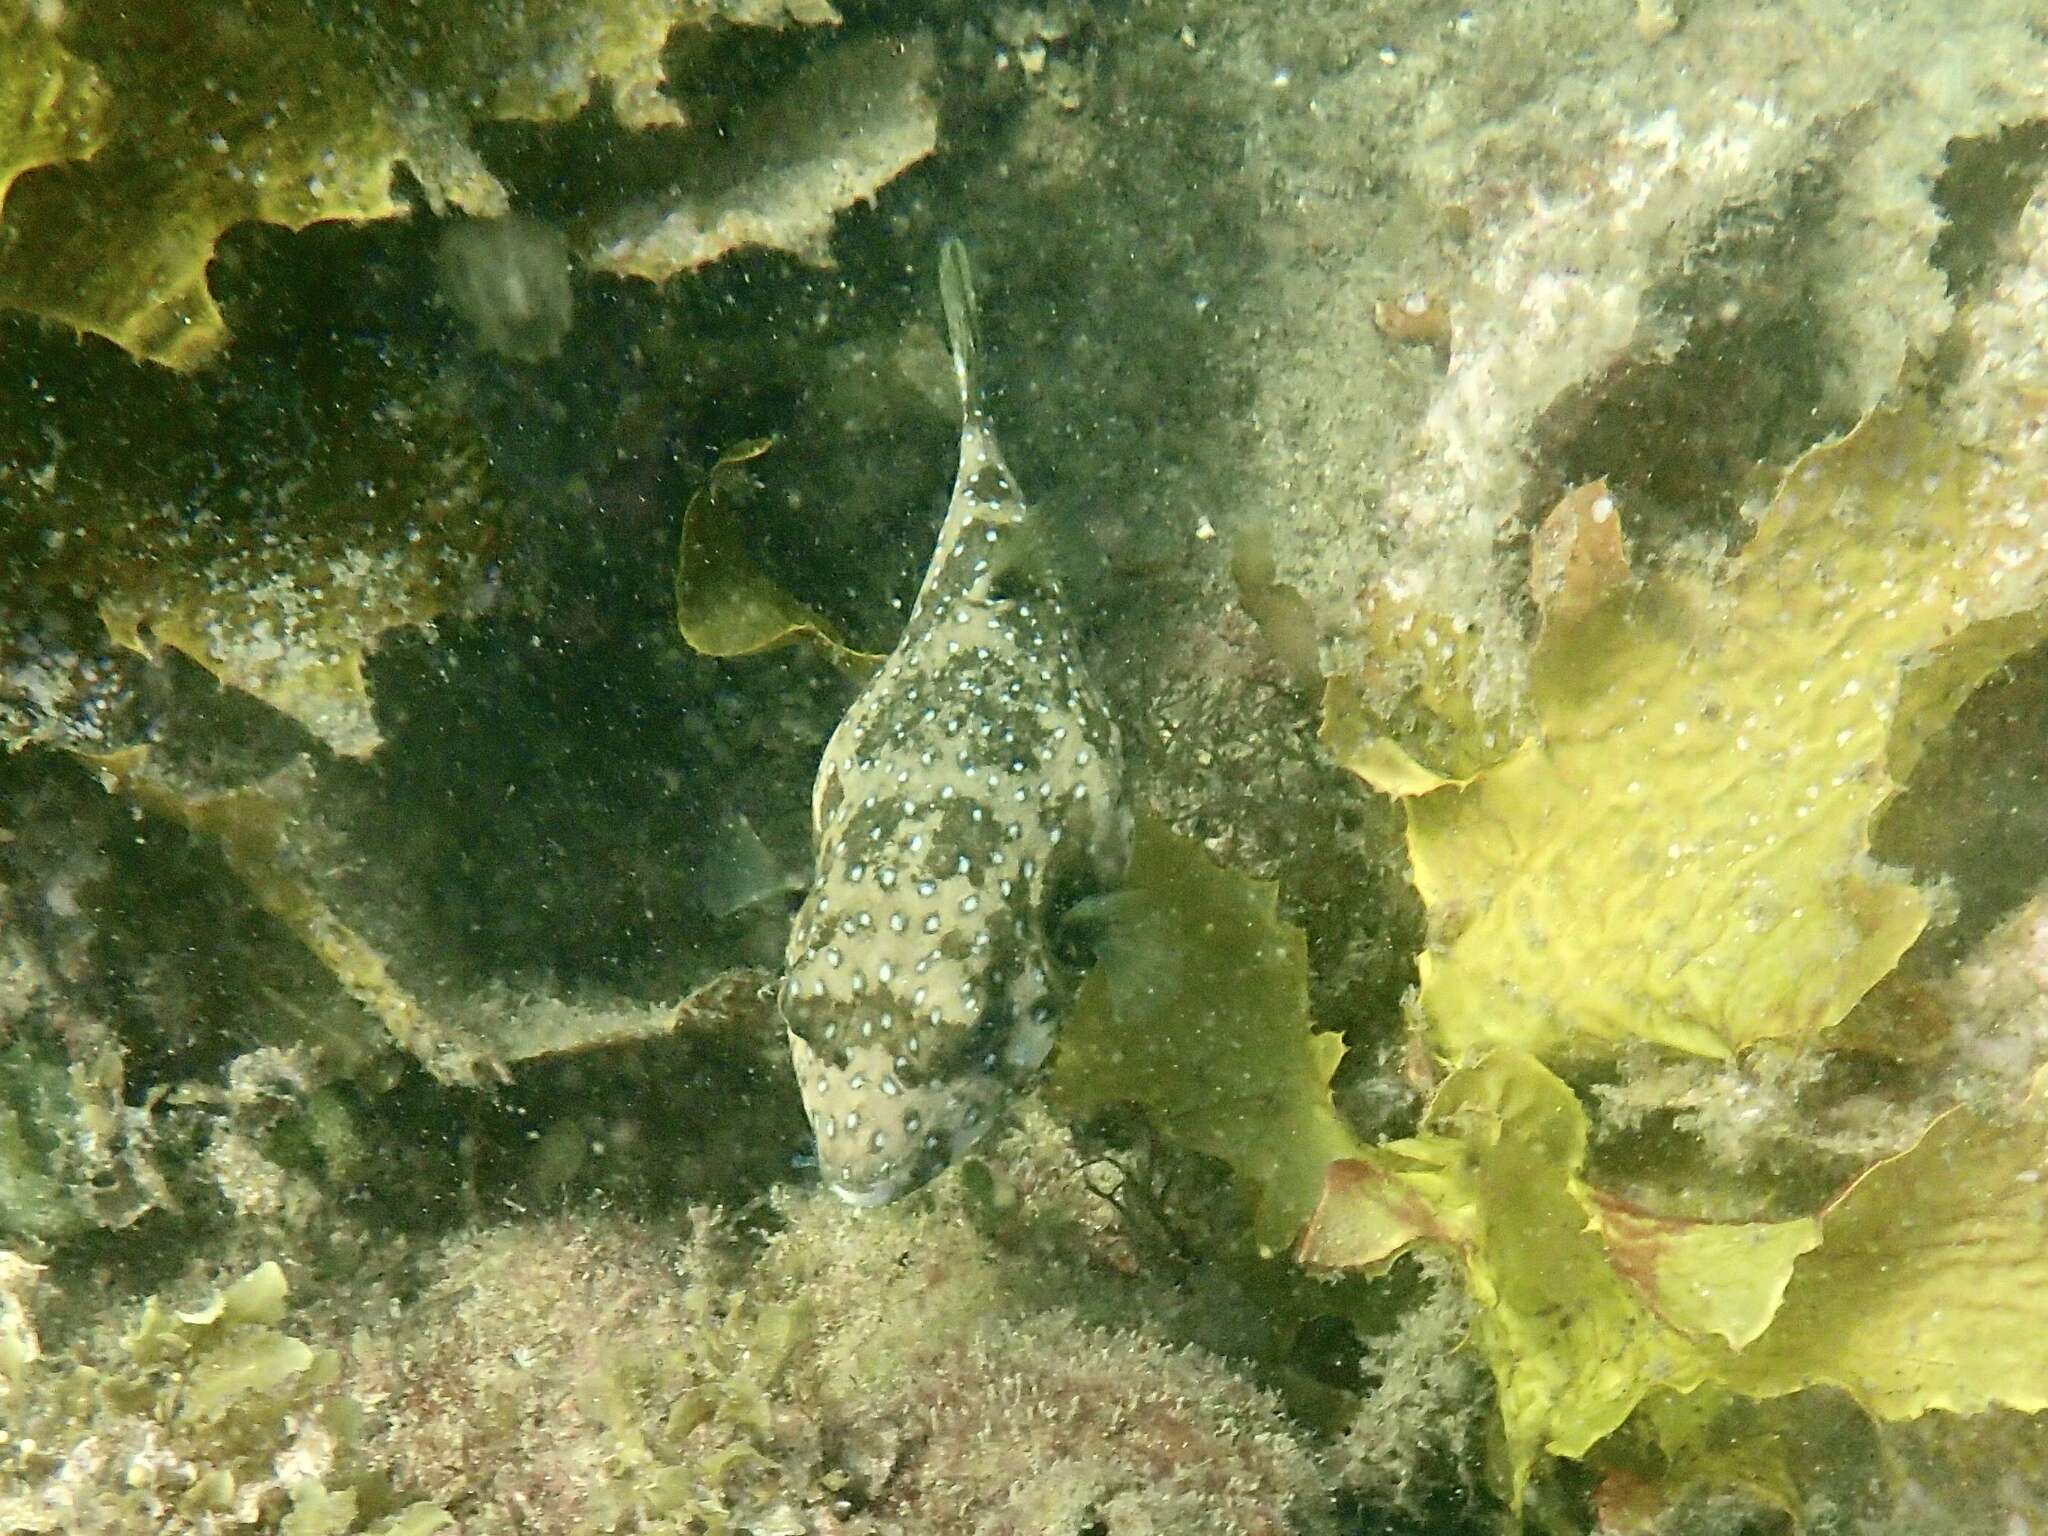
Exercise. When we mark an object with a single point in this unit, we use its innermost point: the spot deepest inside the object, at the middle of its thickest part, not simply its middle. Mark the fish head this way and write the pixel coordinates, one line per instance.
(874, 1147)
(917, 1008)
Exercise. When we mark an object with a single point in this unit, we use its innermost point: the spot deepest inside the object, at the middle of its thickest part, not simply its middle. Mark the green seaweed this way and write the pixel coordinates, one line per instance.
(73, 1154)
(272, 522)
(38, 1108)
(1577, 1330)
(1909, 1294)
(1678, 856)
(52, 101)
(952, 1355)
(1198, 1011)
(726, 605)
(1679, 853)
(193, 1420)
(1926, 1290)
(587, 1375)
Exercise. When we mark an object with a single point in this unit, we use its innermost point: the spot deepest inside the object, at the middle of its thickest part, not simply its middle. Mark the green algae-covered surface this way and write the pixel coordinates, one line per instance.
(1555, 497)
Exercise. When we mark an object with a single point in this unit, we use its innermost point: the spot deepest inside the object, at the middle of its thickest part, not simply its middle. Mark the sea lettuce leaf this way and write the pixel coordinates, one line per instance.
(1679, 852)
(1198, 1012)
(1919, 1288)
(272, 522)
(52, 103)
(726, 605)
(1678, 856)
(1929, 1289)
(1574, 1338)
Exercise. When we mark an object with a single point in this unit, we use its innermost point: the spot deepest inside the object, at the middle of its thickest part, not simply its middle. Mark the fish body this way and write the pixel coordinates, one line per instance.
(971, 794)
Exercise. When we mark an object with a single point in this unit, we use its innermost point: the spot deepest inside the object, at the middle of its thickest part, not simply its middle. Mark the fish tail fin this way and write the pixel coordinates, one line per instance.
(956, 293)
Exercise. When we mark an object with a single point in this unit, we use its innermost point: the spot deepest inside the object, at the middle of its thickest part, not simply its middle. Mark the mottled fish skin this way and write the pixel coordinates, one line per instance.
(971, 792)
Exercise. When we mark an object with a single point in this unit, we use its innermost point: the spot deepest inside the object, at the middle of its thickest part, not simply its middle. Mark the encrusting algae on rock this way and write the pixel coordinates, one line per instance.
(597, 1373)
(971, 793)
(143, 141)
(187, 1422)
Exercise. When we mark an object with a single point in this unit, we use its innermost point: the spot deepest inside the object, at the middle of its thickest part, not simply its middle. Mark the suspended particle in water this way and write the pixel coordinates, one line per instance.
(509, 281)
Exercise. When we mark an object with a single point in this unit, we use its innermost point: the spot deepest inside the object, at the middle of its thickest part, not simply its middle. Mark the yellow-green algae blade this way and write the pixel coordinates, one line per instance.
(1406, 721)
(261, 1361)
(257, 1298)
(1198, 1012)
(1712, 1440)
(1574, 1338)
(1680, 853)
(1925, 1294)
(1725, 1278)
(318, 1511)
(726, 605)
(52, 104)
(286, 112)
(1920, 1288)
(1930, 1287)
(255, 113)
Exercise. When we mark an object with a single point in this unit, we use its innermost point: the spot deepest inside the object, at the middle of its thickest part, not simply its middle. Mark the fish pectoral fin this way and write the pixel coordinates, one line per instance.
(1081, 929)
(826, 789)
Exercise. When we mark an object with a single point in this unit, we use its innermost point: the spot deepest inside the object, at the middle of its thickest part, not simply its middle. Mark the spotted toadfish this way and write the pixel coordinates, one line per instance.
(970, 795)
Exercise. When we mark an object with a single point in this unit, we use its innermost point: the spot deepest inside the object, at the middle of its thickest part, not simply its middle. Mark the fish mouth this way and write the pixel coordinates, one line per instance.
(889, 1184)
(867, 1197)
(864, 1188)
